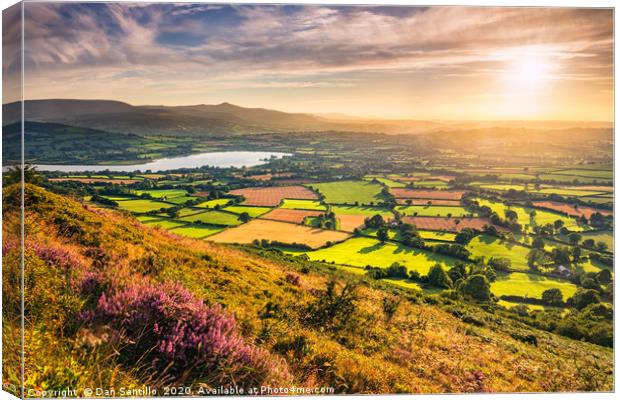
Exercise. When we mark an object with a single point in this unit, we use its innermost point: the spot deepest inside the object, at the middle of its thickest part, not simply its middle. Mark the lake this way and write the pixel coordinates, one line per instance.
(223, 159)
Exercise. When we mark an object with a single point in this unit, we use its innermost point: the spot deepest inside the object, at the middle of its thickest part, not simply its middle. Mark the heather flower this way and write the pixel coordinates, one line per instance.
(171, 330)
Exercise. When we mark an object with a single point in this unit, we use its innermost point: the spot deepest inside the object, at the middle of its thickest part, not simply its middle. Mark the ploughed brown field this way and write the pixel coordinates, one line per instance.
(449, 224)
(348, 223)
(272, 196)
(287, 215)
(278, 231)
(575, 211)
(424, 202)
(403, 193)
(95, 180)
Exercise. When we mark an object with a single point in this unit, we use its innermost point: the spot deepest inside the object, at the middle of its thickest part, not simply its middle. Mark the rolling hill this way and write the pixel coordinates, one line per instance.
(112, 303)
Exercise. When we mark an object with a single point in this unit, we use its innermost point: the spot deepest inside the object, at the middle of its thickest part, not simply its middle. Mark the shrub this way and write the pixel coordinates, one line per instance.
(168, 329)
(476, 287)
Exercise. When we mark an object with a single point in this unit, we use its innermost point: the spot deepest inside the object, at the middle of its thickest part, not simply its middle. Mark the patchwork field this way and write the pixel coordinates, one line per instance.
(213, 218)
(361, 252)
(272, 196)
(542, 217)
(426, 194)
(529, 285)
(96, 180)
(197, 231)
(142, 206)
(434, 211)
(350, 192)
(490, 246)
(302, 205)
(287, 215)
(279, 231)
(213, 203)
(574, 210)
(428, 202)
(253, 211)
(448, 224)
(437, 235)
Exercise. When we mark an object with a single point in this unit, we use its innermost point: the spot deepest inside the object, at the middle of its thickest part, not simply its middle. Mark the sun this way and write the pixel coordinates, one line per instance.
(529, 70)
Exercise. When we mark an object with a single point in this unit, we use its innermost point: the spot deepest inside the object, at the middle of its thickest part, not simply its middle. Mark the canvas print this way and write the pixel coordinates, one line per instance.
(252, 199)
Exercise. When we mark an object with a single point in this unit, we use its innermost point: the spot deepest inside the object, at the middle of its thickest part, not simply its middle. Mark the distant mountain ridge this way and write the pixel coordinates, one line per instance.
(230, 119)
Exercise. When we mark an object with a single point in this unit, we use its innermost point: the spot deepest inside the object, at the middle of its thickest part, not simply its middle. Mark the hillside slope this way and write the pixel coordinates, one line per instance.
(112, 303)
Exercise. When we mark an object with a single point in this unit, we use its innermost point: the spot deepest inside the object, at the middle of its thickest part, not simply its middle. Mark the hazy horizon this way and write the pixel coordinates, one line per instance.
(373, 62)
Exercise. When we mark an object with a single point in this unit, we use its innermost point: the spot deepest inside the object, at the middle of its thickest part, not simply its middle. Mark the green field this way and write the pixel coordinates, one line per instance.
(163, 193)
(433, 211)
(197, 231)
(165, 223)
(436, 235)
(361, 252)
(142, 205)
(213, 203)
(590, 173)
(488, 246)
(570, 178)
(362, 210)
(213, 218)
(542, 217)
(296, 204)
(599, 199)
(350, 192)
(606, 237)
(387, 182)
(251, 210)
(565, 192)
(529, 285)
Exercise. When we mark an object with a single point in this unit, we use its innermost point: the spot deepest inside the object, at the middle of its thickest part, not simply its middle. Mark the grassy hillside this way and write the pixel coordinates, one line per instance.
(112, 303)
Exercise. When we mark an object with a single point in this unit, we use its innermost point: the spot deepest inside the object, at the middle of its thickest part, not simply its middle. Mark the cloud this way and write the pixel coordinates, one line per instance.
(210, 46)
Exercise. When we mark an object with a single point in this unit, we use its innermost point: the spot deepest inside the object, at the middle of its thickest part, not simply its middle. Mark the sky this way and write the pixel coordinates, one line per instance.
(437, 63)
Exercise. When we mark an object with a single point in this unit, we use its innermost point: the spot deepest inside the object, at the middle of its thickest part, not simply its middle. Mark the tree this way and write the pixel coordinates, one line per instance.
(500, 263)
(601, 246)
(244, 217)
(511, 215)
(476, 287)
(374, 222)
(583, 298)
(382, 234)
(536, 258)
(438, 277)
(557, 224)
(604, 276)
(574, 238)
(588, 243)
(14, 175)
(553, 297)
(538, 243)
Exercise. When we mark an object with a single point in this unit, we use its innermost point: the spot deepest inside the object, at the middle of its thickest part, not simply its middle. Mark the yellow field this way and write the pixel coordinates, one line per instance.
(279, 231)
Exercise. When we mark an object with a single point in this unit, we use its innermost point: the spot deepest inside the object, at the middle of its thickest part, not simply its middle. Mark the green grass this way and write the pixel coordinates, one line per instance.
(197, 231)
(142, 205)
(590, 173)
(566, 192)
(433, 211)
(435, 235)
(163, 193)
(360, 252)
(362, 210)
(489, 246)
(252, 211)
(570, 178)
(213, 203)
(606, 237)
(387, 182)
(213, 218)
(180, 199)
(349, 192)
(118, 198)
(529, 285)
(542, 217)
(165, 223)
(302, 205)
